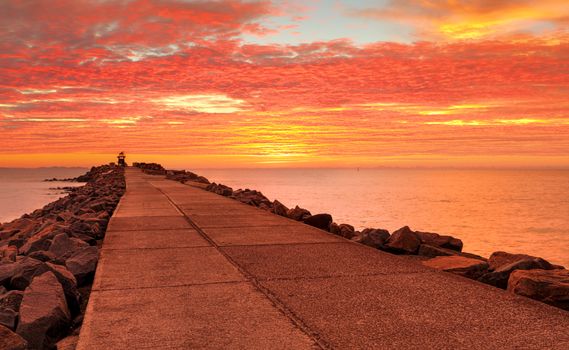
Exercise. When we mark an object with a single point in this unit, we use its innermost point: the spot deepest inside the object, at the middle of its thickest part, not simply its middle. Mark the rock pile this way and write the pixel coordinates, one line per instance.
(48, 259)
(185, 176)
(522, 274)
(151, 168)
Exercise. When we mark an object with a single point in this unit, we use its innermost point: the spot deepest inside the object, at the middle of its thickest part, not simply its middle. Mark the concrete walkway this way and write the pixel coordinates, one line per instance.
(182, 268)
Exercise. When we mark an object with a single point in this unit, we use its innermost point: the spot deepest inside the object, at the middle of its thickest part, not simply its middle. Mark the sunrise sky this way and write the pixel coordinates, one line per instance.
(234, 83)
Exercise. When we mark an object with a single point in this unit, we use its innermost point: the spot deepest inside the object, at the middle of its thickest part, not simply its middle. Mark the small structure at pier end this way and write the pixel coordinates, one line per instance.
(121, 159)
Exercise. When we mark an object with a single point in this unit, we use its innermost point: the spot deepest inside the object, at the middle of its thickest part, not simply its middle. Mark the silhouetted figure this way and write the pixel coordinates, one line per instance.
(121, 157)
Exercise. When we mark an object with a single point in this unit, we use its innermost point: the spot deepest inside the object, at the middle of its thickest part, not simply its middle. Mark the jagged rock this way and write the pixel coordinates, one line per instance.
(279, 208)
(299, 214)
(499, 277)
(62, 246)
(252, 197)
(42, 255)
(442, 241)
(68, 343)
(373, 237)
(12, 300)
(22, 273)
(68, 283)
(467, 267)
(41, 240)
(8, 317)
(403, 241)
(44, 315)
(432, 251)
(220, 189)
(82, 264)
(321, 221)
(8, 253)
(548, 286)
(10, 340)
(343, 230)
(500, 258)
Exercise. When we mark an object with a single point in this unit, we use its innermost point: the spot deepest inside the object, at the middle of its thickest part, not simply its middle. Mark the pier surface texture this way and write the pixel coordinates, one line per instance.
(183, 268)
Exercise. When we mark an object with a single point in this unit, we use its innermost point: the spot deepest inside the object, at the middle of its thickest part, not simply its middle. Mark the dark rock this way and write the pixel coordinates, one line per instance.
(12, 300)
(467, 267)
(499, 259)
(403, 241)
(434, 239)
(41, 240)
(10, 340)
(321, 221)
(432, 251)
(299, 214)
(42, 255)
(8, 318)
(82, 264)
(373, 237)
(44, 316)
(8, 253)
(220, 189)
(62, 246)
(68, 283)
(343, 230)
(548, 286)
(24, 272)
(279, 208)
(499, 277)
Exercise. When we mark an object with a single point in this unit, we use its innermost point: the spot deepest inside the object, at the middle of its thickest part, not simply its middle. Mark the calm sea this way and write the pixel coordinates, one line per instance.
(490, 210)
(517, 211)
(23, 190)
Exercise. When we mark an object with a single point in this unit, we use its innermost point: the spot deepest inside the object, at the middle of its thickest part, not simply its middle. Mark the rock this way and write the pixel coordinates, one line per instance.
(373, 237)
(68, 343)
(434, 239)
(220, 189)
(8, 317)
(82, 264)
(343, 230)
(403, 241)
(499, 277)
(321, 221)
(499, 259)
(548, 286)
(279, 208)
(12, 300)
(44, 316)
(467, 267)
(41, 240)
(11, 341)
(62, 246)
(8, 253)
(432, 251)
(42, 255)
(299, 214)
(69, 285)
(25, 271)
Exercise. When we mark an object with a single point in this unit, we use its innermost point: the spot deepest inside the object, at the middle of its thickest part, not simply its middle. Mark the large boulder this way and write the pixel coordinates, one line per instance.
(42, 239)
(299, 214)
(62, 246)
(82, 264)
(433, 251)
(342, 230)
(500, 258)
(321, 221)
(68, 283)
(548, 286)
(442, 241)
(24, 270)
(467, 267)
(373, 237)
(11, 341)
(279, 208)
(44, 316)
(499, 277)
(68, 343)
(403, 241)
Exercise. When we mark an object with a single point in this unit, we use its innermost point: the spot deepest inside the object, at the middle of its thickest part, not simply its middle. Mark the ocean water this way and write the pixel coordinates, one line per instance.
(513, 210)
(23, 190)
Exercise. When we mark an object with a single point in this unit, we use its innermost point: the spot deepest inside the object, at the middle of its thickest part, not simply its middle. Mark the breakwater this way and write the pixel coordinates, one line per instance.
(48, 259)
(522, 274)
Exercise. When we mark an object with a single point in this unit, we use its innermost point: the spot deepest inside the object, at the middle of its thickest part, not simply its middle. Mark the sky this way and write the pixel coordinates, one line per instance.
(288, 83)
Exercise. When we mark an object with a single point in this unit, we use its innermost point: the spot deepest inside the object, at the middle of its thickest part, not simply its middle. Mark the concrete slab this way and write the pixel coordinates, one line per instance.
(125, 269)
(158, 239)
(318, 260)
(144, 204)
(421, 311)
(218, 316)
(126, 212)
(240, 220)
(140, 223)
(287, 234)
